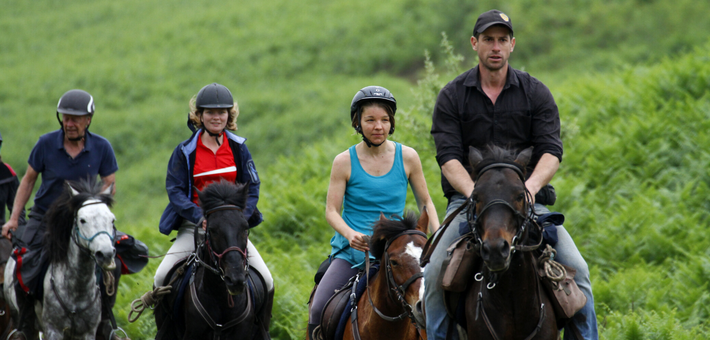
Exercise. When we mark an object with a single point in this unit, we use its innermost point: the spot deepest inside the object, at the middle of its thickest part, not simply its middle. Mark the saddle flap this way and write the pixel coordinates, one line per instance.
(332, 312)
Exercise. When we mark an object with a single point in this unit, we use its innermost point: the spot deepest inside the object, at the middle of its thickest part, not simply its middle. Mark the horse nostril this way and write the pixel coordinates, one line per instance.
(486, 250)
(505, 249)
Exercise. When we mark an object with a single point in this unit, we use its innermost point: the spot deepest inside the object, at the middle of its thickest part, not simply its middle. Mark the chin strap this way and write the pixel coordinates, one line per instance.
(216, 136)
(367, 141)
(371, 144)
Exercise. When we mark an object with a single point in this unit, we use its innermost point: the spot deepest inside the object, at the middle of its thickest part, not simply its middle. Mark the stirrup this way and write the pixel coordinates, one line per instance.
(16, 332)
(115, 336)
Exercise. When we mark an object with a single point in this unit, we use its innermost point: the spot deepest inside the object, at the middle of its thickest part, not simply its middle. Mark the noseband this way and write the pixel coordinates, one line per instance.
(218, 262)
(474, 217)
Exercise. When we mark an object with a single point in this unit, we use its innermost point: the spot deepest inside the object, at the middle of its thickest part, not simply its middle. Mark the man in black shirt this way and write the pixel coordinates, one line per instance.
(496, 104)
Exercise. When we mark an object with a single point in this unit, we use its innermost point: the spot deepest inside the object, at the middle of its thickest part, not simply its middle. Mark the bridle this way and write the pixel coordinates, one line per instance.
(525, 220)
(77, 232)
(399, 291)
(217, 257)
(217, 269)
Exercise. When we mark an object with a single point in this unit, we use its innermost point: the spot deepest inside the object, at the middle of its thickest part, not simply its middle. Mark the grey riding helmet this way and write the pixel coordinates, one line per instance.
(214, 96)
(75, 102)
(372, 93)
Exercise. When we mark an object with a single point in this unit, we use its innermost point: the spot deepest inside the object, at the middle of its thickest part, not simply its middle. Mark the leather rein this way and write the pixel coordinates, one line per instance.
(399, 291)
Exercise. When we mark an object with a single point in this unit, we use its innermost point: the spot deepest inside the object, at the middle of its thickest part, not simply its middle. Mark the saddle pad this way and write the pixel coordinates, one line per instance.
(359, 290)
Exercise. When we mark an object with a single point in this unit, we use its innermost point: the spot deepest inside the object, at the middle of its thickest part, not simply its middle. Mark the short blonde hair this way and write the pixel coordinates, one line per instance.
(196, 113)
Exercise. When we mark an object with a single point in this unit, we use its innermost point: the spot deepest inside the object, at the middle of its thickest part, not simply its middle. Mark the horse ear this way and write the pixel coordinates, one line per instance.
(74, 192)
(524, 157)
(423, 221)
(382, 217)
(474, 157)
(107, 191)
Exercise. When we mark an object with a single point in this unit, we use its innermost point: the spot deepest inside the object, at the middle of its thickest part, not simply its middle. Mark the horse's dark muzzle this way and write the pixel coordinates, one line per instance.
(236, 284)
(496, 254)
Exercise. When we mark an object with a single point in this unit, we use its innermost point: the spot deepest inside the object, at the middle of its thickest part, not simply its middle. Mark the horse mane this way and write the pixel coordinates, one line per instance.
(496, 154)
(60, 215)
(385, 229)
(223, 193)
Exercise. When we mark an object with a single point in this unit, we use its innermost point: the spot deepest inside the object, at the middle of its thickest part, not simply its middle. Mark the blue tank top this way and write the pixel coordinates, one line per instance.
(367, 196)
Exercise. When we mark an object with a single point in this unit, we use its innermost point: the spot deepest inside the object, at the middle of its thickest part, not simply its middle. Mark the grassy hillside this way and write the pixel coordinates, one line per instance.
(633, 182)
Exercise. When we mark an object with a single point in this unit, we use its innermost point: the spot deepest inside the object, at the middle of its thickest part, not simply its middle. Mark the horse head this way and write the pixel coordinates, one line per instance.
(398, 244)
(223, 204)
(500, 204)
(82, 214)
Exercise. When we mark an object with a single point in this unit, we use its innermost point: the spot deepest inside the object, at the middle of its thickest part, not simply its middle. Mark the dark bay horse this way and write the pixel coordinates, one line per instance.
(79, 236)
(506, 300)
(384, 311)
(217, 303)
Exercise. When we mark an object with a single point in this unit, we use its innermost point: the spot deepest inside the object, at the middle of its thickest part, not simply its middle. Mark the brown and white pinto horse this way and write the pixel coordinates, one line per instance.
(384, 311)
(506, 300)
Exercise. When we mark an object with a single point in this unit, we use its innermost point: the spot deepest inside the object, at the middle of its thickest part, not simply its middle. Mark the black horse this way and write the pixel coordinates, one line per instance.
(217, 302)
(506, 301)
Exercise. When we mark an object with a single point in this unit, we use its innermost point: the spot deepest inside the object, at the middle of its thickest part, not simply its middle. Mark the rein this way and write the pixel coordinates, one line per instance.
(217, 269)
(392, 286)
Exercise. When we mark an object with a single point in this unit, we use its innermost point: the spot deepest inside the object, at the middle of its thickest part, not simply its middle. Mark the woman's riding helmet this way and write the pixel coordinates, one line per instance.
(214, 96)
(369, 93)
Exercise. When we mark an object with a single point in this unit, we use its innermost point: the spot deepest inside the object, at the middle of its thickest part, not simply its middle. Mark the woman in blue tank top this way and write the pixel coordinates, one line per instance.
(369, 178)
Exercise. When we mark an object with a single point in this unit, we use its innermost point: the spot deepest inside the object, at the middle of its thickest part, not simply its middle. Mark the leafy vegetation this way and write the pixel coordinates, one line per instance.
(630, 77)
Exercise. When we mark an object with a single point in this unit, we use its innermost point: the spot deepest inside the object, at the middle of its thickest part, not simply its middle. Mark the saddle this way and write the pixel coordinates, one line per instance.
(339, 307)
(179, 278)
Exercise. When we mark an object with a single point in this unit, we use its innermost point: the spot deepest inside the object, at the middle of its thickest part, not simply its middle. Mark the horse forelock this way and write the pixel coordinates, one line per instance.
(384, 230)
(495, 154)
(223, 193)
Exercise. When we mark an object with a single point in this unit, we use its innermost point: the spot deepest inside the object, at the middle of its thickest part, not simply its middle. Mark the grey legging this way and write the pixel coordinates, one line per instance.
(335, 277)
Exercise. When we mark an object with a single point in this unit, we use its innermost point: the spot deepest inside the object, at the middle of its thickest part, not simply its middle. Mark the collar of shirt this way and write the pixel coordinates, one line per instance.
(472, 79)
(59, 142)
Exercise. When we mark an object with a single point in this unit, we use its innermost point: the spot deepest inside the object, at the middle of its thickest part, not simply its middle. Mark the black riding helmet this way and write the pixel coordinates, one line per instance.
(369, 93)
(76, 103)
(214, 96)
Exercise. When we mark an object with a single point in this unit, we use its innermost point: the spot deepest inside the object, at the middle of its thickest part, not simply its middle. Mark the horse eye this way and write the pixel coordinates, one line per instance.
(394, 263)
(521, 197)
(82, 221)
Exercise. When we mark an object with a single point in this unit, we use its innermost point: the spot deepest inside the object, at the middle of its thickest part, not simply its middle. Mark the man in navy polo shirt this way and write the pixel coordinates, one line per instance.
(70, 153)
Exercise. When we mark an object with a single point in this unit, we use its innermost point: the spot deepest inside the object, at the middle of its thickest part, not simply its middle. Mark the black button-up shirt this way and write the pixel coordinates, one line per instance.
(524, 115)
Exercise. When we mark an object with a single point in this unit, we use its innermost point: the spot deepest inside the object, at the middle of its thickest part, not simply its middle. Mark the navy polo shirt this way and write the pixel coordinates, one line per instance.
(49, 158)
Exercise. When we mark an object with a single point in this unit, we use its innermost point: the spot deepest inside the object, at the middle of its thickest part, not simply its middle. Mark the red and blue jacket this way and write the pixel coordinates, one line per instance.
(179, 183)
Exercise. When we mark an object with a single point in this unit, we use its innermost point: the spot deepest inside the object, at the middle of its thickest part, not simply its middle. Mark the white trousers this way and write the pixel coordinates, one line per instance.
(184, 245)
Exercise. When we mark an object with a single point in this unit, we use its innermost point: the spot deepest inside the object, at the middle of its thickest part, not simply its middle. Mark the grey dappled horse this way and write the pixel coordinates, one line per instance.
(80, 231)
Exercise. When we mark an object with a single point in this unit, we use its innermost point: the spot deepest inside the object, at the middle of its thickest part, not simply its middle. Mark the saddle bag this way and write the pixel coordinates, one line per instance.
(567, 298)
(459, 264)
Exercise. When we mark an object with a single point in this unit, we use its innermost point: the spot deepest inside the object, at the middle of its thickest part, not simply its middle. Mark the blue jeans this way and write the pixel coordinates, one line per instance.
(437, 321)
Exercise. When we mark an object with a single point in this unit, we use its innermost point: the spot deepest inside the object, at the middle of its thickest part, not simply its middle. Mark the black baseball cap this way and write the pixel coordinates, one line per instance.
(490, 18)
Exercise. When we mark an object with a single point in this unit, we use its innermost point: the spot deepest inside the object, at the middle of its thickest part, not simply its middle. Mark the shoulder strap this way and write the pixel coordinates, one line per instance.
(430, 246)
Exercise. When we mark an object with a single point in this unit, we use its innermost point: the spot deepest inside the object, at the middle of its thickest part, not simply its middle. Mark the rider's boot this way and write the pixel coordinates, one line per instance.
(311, 329)
(27, 317)
(264, 315)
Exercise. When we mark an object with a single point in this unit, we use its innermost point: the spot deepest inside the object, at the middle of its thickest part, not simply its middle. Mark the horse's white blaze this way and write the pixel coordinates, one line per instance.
(416, 252)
